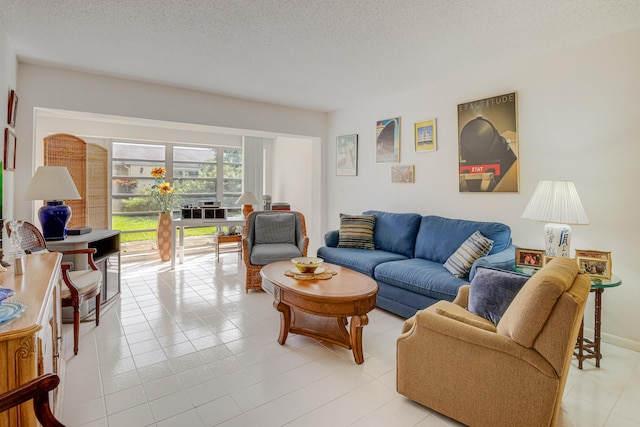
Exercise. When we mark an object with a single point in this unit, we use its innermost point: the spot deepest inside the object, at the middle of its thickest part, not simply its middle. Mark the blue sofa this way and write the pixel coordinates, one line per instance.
(410, 250)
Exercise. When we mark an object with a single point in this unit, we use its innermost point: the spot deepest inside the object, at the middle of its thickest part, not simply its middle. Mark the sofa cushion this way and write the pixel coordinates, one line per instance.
(277, 228)
(439, 237)
(356, 231)
(420, 276)
(492, 290)
(460, 262)
(362, 261)
(396, 232)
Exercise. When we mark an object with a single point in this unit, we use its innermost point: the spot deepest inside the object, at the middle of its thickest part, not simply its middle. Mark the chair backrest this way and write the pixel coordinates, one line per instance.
(275, 227)
(30, 237)
(546, 314)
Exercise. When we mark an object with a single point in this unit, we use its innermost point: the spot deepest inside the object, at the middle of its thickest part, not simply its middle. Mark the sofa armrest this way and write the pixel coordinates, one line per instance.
(331, 238)
(504, 260)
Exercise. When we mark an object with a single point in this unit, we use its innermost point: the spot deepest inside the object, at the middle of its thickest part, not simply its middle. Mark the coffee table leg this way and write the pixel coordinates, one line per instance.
(285, 315)
(357, 323)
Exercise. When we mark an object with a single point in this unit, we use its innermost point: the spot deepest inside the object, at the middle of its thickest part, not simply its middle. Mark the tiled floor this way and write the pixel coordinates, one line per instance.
(189, 348)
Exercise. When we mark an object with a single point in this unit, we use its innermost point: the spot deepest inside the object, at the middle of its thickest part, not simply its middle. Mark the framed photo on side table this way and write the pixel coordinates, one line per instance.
(9, 149)
(347, 155)
(596, 263)
(529, 257)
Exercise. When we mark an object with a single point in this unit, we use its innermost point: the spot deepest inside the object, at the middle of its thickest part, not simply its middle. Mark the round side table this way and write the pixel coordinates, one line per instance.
(586, 348)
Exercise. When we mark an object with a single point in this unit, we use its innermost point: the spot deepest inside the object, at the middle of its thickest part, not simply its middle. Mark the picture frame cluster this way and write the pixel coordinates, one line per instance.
(596, 263)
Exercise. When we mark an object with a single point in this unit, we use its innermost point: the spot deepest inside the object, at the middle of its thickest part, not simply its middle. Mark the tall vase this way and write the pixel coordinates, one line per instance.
(164, 236)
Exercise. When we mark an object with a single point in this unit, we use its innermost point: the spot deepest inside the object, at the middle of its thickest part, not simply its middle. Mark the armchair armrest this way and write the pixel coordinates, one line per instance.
(468, 338)
(504, 260)
(37, 389)
(88, 251)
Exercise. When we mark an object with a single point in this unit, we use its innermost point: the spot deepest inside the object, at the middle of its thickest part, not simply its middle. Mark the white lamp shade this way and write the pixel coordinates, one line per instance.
(247, 198)
(557, 202)
(52, 183)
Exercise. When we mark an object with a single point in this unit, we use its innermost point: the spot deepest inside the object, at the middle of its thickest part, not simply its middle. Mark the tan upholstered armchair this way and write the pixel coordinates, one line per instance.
(270, 236)
(480, 374)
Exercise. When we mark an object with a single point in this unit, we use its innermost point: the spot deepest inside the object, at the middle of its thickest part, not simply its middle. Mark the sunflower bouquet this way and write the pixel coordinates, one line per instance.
(161, 191)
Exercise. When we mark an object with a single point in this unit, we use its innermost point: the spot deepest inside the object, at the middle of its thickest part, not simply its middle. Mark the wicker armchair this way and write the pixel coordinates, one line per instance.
(270, 236)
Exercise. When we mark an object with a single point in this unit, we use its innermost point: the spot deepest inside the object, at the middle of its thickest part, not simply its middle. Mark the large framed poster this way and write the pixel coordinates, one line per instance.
(488, 145)
(388, 140)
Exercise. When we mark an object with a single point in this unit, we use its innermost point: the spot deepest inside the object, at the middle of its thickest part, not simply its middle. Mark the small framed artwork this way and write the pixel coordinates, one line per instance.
(529, 258)
(596, 263)
(402, 173)
(425, 133)
(9, 149)
(347, 155)
(388, 140)
(13, 108)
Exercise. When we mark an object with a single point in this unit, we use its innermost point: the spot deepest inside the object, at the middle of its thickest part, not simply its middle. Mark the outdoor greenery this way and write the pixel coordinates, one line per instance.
(125, 223)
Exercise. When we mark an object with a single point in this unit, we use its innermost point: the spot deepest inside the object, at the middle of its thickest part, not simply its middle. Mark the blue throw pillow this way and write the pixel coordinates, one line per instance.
(492, 290)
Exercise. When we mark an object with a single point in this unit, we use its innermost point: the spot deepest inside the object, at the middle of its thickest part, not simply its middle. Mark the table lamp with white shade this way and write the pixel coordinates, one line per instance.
(558, 203)
(247, 200)
(54, 185)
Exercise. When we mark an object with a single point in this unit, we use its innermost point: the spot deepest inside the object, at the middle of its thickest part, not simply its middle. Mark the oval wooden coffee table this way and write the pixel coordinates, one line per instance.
(319, 308)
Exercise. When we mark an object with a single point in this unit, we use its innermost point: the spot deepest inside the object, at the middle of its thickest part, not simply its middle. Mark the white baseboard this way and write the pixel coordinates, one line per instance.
(615, 340)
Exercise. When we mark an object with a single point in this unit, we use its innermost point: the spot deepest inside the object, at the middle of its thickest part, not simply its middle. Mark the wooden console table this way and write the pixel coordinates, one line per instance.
(31, 344)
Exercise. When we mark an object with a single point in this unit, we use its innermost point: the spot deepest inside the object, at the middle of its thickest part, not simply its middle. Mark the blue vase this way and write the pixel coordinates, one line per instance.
(54, 217)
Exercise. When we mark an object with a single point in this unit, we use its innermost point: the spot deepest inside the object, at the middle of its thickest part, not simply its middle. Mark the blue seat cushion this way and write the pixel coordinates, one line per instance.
(420, 276)
(438, 238)
(396, 232)
(361, 260)
(268, 253)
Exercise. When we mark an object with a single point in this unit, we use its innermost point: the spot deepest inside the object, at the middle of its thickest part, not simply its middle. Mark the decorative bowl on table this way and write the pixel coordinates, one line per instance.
(307, 265)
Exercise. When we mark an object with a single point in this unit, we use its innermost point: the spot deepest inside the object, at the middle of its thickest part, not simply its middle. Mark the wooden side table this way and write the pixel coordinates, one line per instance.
(219, 239)
(586, 348)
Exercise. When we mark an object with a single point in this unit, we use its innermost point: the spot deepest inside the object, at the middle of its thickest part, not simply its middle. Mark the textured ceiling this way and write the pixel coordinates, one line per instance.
(316, 54)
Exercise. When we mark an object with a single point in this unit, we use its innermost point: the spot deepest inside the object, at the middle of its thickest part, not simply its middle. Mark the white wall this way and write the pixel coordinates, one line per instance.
(578, 120)
(8, 65)
(293, 179)
(57, 89)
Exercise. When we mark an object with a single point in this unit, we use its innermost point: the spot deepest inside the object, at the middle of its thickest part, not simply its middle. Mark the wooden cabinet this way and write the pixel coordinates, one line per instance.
(30, 345)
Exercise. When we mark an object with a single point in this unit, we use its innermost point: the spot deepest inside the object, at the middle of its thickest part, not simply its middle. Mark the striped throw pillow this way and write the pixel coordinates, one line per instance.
(356, 231)
(476, 246)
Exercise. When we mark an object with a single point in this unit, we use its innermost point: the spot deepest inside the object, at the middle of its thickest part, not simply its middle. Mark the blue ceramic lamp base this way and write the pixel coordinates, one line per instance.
(54, 217)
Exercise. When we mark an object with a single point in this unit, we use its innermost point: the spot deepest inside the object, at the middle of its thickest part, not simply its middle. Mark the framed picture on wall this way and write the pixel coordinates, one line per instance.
(13, 108)
(402, 173)
(388, 140)
(488, 145)
(425, 133)
(347, 155)
(9, 149)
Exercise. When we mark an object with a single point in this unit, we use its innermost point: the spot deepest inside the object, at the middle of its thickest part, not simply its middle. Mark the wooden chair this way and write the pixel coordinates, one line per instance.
(77, 286)
(37, 390)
